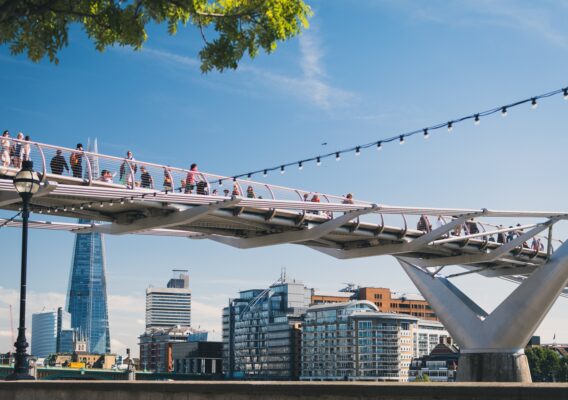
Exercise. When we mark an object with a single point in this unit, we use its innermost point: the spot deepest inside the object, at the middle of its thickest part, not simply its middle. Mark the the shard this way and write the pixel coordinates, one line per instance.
(87, 295)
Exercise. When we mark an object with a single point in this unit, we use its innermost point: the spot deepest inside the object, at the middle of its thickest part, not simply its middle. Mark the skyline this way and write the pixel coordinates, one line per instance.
(414, 64)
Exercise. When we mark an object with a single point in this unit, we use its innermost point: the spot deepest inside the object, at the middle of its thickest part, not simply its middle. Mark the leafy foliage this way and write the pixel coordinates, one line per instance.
(546, 365)
(422, 378)
(41, 27)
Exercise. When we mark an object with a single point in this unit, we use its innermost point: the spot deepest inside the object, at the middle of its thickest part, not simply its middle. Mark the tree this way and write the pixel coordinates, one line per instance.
(41, 27)
(545, 364)
(422, 378)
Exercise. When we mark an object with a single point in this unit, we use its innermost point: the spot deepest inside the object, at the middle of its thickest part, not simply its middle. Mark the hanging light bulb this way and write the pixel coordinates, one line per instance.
(300, 166)
(72, 208)
(534, 104)
(318, 161)
(358, 151)
(131, 200)
(102, 204)
(379, 146)
(41, 211)
(65, 208)
(337, 156)
(81, 207)
(55, 210)
(476, 120)
(450, 127)
(220, 182)
(504, 112)
(234, 178)
(401, 139)
(111, 203)
(282, 169)
(265, 173)
(90, 205)
(565, 93)
(249, 175)
(426, 134)
(49, 210)
(121, 201)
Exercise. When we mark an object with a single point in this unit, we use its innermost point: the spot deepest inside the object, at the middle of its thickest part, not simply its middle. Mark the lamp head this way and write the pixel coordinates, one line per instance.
(26, 180)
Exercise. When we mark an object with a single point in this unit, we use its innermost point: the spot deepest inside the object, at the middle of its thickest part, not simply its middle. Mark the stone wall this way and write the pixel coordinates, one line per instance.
(74, 390)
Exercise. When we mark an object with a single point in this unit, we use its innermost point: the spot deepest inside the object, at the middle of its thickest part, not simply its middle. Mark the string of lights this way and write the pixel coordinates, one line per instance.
(426, 132)
(93, 204)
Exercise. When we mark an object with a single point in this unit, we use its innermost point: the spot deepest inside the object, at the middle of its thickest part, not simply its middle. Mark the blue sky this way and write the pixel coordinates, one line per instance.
(363, 71)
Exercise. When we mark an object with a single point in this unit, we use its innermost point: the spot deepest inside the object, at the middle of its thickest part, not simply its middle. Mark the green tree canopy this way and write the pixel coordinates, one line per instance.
(41, 27)
(545, 364)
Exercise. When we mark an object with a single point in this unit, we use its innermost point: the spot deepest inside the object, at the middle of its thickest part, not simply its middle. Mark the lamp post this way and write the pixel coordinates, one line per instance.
(26, 183)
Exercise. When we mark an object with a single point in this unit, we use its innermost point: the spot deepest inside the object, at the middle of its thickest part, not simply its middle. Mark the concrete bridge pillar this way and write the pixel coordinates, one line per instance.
(492, 345)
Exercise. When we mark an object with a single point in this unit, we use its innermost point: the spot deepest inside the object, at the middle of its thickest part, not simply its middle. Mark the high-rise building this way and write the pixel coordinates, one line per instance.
(169, 306)
(354, 341)
(260, 336)
(46, 330)
(87, 295)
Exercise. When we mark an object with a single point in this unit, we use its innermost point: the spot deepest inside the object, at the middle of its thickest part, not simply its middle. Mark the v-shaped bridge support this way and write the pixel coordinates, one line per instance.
(492, 345)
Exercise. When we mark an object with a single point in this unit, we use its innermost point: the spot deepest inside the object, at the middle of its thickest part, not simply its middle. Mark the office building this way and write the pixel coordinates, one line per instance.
(260, 332)
(198, 358)
(87, 294)
(169, 306)
(156, 353)
(355, 341)
(46, 330)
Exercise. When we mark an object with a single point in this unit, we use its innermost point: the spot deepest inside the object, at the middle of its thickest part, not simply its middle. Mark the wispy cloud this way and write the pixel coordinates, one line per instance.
(311, 85)
(534, 18)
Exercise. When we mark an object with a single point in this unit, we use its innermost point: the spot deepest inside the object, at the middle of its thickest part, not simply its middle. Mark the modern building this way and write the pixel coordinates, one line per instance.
(198, 358)
(169, 306)
(386, 300)
(355, 341)
(66, 342)
(260, 332)
(87, 294)
(46, 330)
(440, 365)
(156, 352)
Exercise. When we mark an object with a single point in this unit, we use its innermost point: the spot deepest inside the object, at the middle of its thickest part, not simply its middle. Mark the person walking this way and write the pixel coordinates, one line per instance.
(58, 163)
(127, 169)
(168, 184)
(27, 149)
(18, 151)
(76, 161)
(250, 193)
(146, 180)
(190, 179)
(5, 145)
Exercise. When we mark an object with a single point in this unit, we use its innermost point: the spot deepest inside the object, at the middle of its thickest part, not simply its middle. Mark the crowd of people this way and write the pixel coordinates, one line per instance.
(14, 152)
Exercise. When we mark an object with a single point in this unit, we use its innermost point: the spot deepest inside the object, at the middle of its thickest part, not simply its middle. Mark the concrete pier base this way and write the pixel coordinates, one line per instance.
(493, 367)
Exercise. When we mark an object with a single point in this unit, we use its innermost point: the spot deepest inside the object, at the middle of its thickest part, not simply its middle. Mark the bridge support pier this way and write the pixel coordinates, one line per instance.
(492, 345)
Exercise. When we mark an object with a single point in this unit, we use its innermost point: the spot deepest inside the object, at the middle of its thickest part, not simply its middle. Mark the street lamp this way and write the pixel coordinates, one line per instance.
(26, 183)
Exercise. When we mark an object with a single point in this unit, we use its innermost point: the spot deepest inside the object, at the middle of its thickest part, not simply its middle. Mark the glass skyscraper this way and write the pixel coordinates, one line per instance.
(87, 295)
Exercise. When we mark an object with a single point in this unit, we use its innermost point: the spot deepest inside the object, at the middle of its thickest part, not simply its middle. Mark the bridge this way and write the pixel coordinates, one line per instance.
(151, 199)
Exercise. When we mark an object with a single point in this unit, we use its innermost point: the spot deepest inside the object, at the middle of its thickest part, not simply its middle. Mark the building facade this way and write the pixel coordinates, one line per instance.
(46, 331)
(440, 365)
(169, 306)
(198, 358)
(261, 332)
(354, 341)
(156, 352)
(87, 294)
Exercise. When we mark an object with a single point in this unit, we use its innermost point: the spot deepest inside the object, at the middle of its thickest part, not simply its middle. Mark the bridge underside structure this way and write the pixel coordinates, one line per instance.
(492, 344)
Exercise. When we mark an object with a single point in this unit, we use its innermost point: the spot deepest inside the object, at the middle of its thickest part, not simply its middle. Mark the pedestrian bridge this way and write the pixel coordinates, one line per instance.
(243, 213)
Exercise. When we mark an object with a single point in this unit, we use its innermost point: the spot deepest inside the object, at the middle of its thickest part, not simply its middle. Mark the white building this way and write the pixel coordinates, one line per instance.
(46, 327)
(169, 306)
(354, 341)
